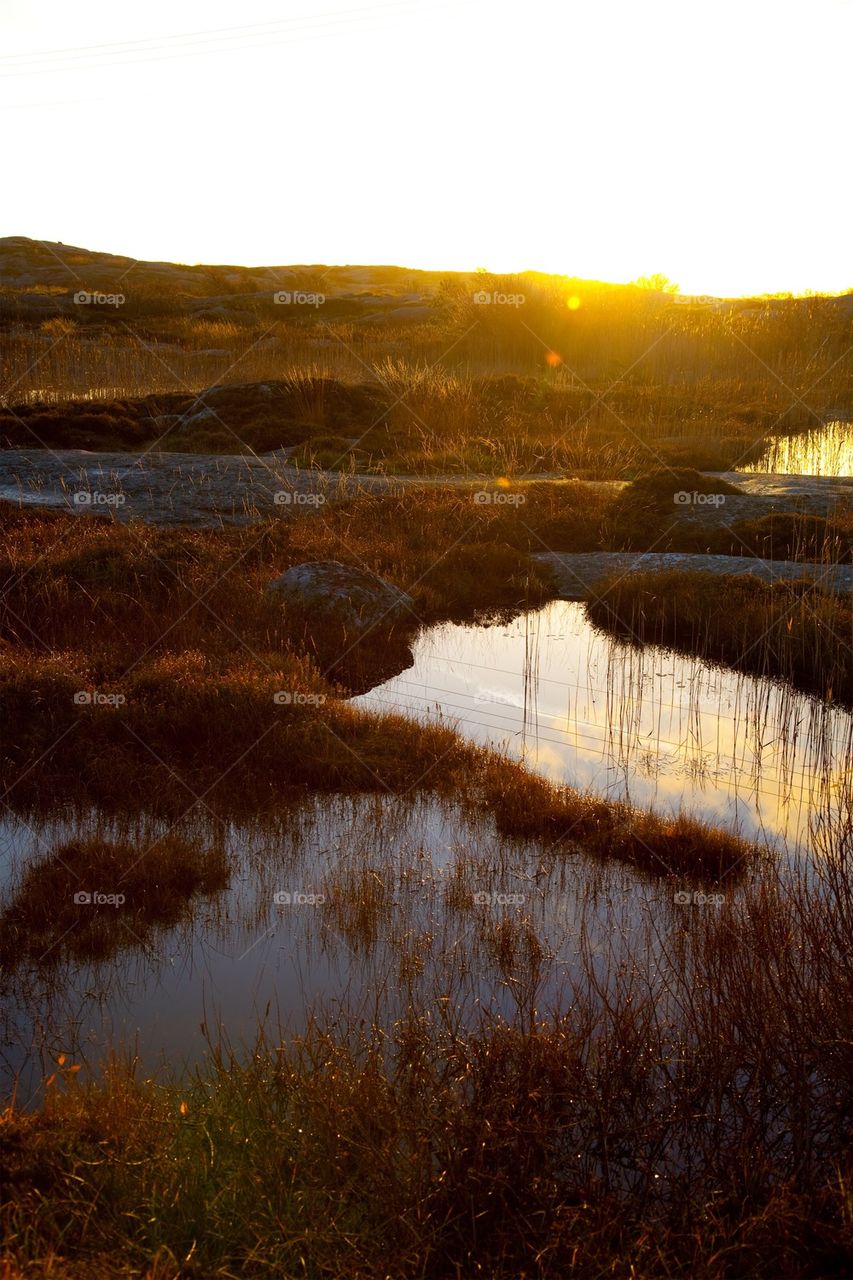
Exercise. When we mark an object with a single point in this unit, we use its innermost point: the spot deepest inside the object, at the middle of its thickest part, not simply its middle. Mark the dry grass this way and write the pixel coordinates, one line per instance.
(176, 636)
(45, 921)
(795, 535)
(787, 631)
(684, 1119)
(627, 381)
(686, 1111)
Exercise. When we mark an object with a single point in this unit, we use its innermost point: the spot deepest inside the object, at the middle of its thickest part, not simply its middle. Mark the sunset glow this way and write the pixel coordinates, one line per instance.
(602, 141)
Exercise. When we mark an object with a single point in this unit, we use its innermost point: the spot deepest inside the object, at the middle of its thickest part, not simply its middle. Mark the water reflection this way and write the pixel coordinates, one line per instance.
(348, 908)
(390, 902)
(642, 725)
(825, 451)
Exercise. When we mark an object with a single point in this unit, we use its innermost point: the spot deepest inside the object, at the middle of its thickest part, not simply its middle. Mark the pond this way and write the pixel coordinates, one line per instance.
(636, 724)
(392, 900)
(345, 908)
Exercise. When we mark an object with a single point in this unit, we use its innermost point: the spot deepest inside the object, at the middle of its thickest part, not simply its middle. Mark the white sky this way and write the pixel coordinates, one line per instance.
(710, 141)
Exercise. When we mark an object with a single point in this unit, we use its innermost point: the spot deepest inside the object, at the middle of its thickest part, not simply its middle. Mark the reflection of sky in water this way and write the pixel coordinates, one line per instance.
(623, 722)
(640, 724)
(826, 451)
(242, 960)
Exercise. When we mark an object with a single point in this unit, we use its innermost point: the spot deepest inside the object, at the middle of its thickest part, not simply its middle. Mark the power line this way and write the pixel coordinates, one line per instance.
(793, 780)
(190, 44)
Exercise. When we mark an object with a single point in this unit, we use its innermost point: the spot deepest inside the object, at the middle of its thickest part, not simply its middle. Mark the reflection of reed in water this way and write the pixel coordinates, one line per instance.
(767, 744)
(530, 678)
(410, 903)
(823, 451)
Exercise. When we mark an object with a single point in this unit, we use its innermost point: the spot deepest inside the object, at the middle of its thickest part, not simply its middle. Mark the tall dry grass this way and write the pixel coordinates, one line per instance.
(686, 1111)
(536, 386)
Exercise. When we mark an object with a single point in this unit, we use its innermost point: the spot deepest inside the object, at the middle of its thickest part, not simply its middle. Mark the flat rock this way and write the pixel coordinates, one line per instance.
(578, 575)
(326, 591)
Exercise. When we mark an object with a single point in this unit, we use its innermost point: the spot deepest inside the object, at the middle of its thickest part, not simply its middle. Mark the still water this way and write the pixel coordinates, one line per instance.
(394, 900)
(636, 724)
(825, 451)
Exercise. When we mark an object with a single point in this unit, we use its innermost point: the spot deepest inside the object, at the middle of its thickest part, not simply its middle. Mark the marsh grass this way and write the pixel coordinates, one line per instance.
(786, 631)
(177, 629)
(685, 1109)
(682, 1116)
(795, 535)
(389, 401)
(644, 512)
(44, 922)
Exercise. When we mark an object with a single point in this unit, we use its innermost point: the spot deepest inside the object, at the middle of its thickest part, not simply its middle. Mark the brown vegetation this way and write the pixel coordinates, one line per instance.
(127, 894)
(690, 1119)
(789, 631)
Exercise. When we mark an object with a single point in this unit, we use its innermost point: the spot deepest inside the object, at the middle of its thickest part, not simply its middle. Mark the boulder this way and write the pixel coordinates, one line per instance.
(327, 591)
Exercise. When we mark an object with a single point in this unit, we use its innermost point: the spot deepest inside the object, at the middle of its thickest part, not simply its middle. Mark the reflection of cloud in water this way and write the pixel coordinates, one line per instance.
(397, 880)
(640, 724)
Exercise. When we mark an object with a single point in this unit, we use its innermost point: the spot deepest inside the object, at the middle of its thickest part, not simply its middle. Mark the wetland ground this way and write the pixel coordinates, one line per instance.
(507, 937)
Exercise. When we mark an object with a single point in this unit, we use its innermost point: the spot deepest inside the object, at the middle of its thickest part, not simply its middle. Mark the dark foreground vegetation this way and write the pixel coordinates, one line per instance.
(685, 1120)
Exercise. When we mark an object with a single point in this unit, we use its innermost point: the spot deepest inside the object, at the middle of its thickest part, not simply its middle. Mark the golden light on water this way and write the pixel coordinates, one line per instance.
(825, 451)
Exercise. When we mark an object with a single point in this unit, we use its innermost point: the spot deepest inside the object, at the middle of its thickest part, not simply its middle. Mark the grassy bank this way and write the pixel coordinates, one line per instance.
(787, 631)
(410, 419)
(142, 665)
(158, 882)
(695, 1122)
(184, 737)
